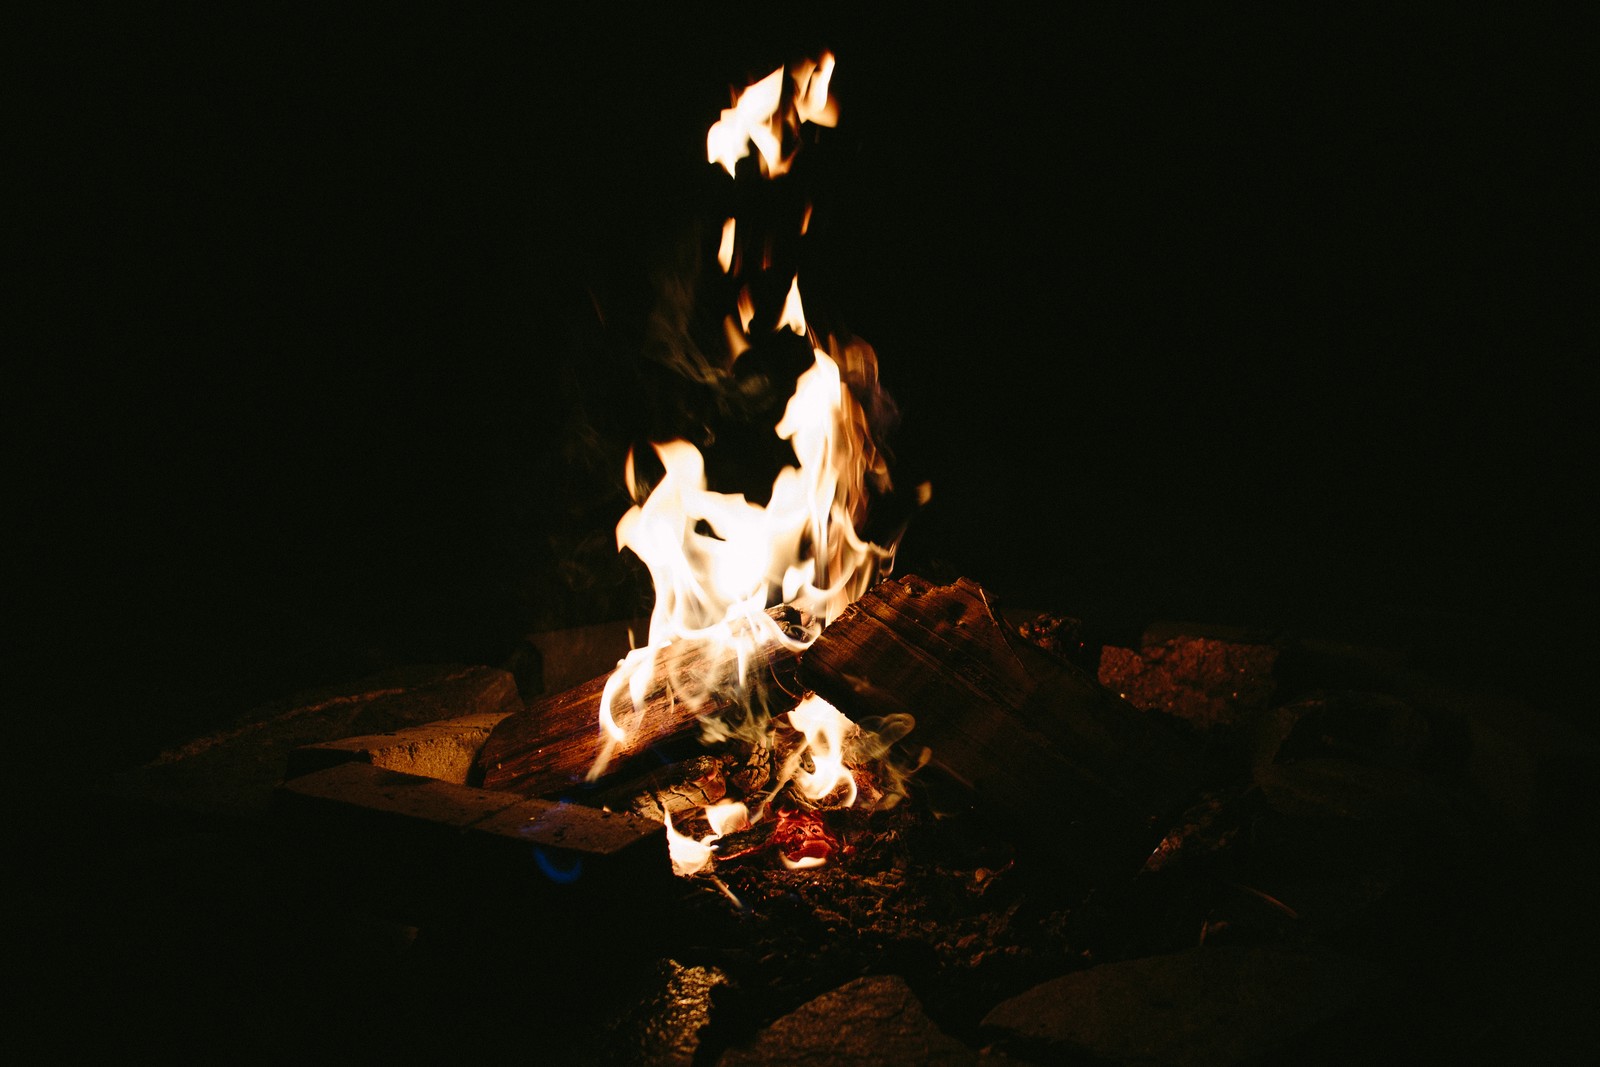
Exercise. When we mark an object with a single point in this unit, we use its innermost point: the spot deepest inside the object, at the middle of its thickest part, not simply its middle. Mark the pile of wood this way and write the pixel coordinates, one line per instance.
(1028, 733)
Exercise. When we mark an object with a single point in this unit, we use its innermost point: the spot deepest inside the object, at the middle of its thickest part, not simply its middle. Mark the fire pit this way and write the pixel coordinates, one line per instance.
(886, 799)
(1310, 892)
(1042, 836)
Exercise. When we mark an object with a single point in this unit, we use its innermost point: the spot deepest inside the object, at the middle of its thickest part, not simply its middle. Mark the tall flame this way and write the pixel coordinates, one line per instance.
(717, 560)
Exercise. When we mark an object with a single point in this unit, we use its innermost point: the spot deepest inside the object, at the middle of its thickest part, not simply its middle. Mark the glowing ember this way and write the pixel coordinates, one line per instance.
(803, 840)
(717, 560)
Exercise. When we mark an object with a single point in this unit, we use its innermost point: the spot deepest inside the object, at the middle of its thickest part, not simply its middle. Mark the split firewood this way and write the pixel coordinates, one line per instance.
(1024, 730)
(552, 746)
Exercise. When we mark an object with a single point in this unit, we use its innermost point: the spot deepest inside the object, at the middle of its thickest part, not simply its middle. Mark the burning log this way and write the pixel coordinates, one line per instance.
(675, 790)
(553, 744)
(1023, 729)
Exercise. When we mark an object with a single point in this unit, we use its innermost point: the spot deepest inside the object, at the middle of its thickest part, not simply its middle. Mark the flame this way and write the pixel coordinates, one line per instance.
(689, 857)
(726, 816)
(812, 102)
(752, 120)
(718, 561)
(824, 727)
(794, 314)
(725, 247)
(758, 117)
(804, 863)
(747, 313)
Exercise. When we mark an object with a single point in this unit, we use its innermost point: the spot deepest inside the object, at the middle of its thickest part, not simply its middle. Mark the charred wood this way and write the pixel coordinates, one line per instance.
(675, 789)
(552, 745)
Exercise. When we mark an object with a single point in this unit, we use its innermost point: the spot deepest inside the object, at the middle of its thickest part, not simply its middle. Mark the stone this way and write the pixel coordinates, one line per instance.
(870, 1021)
(1372, 728)
(1337, 662)
(1205, 1007)
(1337, 837)
(1202, 680)
(1343, 790)
(1531, 763)
(550, 661)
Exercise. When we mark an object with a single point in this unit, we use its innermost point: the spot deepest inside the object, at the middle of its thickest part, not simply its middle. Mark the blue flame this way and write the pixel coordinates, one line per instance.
(558, 875)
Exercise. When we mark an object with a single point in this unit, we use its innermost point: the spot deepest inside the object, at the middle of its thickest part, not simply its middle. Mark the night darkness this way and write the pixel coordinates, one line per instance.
(332, 325)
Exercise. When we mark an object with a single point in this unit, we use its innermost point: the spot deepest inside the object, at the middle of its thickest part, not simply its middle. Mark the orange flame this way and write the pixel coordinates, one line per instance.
(758, 117)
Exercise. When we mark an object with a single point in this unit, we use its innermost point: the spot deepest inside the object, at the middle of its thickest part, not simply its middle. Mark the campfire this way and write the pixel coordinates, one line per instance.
(816, 686)
(861, 773)
(742, 589)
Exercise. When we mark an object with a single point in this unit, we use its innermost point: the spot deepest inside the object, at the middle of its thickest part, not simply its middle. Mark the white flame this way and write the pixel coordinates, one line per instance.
(725, 247)
(756, 119)
(726, 816)
(688, 855)
(716, 559)
(811, 100)
(824, 727)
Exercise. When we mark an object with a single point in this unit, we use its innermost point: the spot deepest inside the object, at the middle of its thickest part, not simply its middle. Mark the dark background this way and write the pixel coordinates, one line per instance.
(331, 324)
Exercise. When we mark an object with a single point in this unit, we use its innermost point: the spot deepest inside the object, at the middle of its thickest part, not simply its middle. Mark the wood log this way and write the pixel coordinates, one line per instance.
(1026, 731)
(551, 747)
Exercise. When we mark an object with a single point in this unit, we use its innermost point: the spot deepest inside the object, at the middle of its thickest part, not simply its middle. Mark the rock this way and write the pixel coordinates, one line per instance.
(870, 1021)
(1337, 837)
(554, 660)
(1533, 764)
(667, 1020)
(1341, 663)
(1369, 727)
(1345, 790)
(1200, 1008)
